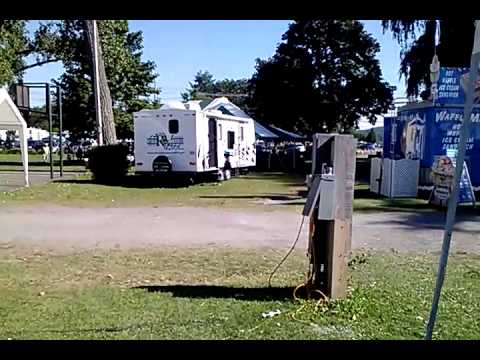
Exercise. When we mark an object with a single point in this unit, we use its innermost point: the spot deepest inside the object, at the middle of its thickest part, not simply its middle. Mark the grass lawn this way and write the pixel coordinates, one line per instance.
(367, 201)
(222, 293)
(13, 162)
(254, 191)
(250, 191)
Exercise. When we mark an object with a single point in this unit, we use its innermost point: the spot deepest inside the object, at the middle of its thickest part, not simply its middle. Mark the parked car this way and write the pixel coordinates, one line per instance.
(36, 145)
(297, 147)
(366, 147)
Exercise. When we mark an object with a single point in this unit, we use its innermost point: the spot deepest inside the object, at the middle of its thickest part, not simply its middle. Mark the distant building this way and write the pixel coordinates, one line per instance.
(32, 134)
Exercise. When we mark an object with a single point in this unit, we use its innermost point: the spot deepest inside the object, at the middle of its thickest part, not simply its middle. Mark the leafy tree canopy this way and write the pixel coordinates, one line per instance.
(323, 77)
(13, 40)
(129, 78)
(205, 84)
(371, 137)
(417, 40)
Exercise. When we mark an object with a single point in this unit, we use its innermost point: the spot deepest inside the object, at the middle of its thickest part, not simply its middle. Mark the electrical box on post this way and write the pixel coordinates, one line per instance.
(329, 207)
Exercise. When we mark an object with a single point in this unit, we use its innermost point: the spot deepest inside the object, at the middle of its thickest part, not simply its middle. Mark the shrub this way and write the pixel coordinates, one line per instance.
(108, 163)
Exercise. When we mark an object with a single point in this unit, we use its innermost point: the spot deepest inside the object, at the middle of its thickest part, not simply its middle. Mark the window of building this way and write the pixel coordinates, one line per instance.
(173, 126)
(219, 131)
(241, 133)
(230, 139)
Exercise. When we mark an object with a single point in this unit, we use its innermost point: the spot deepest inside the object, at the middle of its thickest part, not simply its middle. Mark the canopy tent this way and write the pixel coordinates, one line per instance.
(11, 119)
(287, 135)
(262, 133)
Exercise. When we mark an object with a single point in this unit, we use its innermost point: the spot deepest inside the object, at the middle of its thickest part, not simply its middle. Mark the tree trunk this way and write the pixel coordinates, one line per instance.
(108, 124)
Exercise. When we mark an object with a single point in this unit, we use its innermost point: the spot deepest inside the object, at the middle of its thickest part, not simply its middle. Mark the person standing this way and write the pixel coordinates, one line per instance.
(46, 152)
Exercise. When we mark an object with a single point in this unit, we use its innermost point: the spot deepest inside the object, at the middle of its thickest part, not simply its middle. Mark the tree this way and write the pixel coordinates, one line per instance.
(323, 77)
(371, 137)
(129, 78)
(205, 83)
(358, 135)
(13, 40)
(16, 46)
(239, 87)
(105, 99)
(417, 40)
(37, 118)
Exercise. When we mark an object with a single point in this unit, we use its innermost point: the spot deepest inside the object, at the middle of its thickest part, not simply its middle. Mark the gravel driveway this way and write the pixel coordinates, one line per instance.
(67, 229)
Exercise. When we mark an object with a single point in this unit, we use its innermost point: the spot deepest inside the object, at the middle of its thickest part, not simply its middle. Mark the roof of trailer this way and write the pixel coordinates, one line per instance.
(226, 107)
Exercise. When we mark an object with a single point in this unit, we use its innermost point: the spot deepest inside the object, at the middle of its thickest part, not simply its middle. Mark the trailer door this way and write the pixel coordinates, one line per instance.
(212, 143)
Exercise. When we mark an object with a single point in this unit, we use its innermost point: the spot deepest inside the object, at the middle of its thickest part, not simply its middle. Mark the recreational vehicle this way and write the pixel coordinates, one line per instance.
(183, 139)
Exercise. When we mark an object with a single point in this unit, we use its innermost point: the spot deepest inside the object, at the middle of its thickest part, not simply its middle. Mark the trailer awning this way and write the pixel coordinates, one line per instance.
(287, 135)
(262, 133)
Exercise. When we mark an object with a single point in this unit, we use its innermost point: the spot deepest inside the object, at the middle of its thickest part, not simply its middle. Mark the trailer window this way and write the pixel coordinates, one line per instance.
(241, 133)
(231, 139)
(173, 126)
(219, 131)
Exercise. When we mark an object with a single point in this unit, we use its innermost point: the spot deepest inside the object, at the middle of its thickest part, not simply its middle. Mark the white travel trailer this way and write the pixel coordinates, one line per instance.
(186, 140)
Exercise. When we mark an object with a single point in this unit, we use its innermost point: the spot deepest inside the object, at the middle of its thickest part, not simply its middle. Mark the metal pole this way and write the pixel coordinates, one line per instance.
(452, 202)
(60, 126)
(96, 84)
(294, 159)
(50, 128)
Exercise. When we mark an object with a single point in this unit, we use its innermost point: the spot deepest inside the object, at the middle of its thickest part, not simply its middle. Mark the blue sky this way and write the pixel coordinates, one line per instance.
(226, 48)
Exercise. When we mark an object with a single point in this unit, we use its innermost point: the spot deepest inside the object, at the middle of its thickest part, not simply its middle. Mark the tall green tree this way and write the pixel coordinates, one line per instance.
(13, 40)
(204, 84)
(21, 50)
(130, 79)
(371, 137)
(417, 41)
(237, 91)
(323, 77)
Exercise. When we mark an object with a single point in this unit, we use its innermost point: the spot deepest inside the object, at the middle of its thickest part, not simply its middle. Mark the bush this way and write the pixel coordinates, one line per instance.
(108, 163)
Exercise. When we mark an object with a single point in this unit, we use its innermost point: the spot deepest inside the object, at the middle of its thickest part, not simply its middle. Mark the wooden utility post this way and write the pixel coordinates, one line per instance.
(330, 208)
(103, 99)
(96, 83)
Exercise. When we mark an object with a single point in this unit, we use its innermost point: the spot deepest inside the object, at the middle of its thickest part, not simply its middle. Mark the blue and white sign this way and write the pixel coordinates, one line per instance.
(430, 131)
(452, 84)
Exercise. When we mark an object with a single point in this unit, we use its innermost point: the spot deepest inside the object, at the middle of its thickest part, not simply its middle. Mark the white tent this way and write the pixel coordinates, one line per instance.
(11, 119)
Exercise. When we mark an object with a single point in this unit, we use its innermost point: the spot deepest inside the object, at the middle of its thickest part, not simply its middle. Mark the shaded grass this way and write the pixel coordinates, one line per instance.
(221, 294)
(262, 191)
(250, 191)
(13, 162)
(364, 200)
